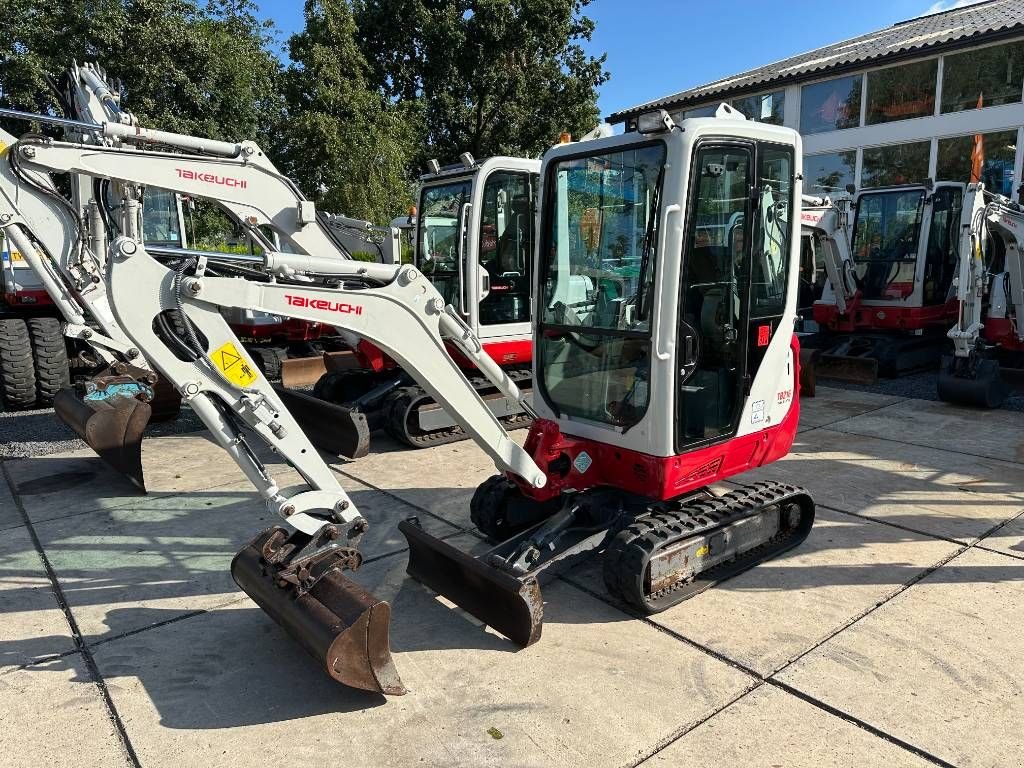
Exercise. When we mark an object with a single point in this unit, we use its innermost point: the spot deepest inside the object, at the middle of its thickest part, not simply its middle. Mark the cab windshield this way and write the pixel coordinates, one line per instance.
(886, 234)
(160, 222)
(600, 241)
(437, 236)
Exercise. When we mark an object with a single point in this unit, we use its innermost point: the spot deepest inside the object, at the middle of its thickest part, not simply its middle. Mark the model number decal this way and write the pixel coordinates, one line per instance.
(211, 178)
(785, 396)
(324, 304)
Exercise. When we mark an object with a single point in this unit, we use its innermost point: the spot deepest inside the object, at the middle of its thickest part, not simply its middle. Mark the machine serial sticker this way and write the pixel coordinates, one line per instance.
(757, 412)
(582, 462)
(233, 365)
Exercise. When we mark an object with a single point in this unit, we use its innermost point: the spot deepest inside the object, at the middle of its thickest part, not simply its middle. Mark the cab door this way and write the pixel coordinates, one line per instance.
(500, 258)
(713, 294)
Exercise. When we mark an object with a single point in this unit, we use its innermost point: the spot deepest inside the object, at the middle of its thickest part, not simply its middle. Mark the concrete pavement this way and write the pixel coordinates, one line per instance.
(890, 637)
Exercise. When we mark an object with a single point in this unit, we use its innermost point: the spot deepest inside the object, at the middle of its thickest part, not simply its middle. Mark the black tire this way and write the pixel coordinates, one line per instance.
(51, 358)
(268, 360)
(17, 373)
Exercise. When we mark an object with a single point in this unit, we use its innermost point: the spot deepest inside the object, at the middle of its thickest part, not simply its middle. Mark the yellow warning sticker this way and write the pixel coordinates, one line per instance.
(16, 256)
(235, 367)
(3, 149)
(703, 551)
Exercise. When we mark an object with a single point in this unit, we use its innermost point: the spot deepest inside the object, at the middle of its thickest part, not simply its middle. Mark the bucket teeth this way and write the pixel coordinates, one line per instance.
(343, 626)
(510, 605)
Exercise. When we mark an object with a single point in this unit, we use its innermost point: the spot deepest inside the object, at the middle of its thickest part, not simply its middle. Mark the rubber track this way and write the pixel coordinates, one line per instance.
(17, 372)
(626, 559)
(51, 358)
(401, 406)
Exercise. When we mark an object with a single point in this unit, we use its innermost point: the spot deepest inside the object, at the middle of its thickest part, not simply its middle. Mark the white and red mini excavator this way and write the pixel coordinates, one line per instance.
(988, 337)
(664, 300)
(890, 256)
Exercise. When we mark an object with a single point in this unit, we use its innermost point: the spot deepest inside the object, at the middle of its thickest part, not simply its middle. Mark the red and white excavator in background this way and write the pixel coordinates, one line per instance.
(664, 359)
(474, 239)
(890, 256)
(988, 337)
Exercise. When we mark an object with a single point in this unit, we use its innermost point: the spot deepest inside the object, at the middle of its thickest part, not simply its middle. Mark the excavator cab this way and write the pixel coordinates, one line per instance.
(474, 241)
(898, 298)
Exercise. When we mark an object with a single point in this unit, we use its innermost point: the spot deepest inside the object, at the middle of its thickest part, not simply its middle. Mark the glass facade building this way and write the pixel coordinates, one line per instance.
(954, 115)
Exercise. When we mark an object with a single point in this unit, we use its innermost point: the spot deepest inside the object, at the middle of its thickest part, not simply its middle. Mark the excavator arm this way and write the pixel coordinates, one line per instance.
(826, 222)
(294, 572)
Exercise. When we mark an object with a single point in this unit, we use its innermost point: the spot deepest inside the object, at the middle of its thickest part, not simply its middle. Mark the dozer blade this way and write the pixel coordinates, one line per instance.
(330, 427)
(111, 420)
(808, 372)
(344, 627)
(512, 606)
(302, 371)
(858, 370)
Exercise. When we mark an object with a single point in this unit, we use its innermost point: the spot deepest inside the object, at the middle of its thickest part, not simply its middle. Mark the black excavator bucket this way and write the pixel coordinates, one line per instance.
(510, 605)
(110, 413)
(979, 382)
(330, 427)
(344, 627)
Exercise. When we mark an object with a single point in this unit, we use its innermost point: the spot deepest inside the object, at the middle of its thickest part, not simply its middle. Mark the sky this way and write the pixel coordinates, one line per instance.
(658, 47)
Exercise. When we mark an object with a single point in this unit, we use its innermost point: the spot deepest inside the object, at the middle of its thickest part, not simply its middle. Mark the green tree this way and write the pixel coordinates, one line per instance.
(346, 145)
(206, 70)
(492, 76)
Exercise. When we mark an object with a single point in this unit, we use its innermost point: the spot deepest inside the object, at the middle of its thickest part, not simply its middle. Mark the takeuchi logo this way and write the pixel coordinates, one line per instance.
(324, 304)
(211, 178)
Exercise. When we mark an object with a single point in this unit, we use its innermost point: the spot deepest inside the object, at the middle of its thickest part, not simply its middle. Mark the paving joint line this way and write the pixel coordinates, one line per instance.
(679, 733)
(928, 447)
(858, 415)
(190, 614)
(856, 721)
(770, 679)
(76, 633)
(398, 498)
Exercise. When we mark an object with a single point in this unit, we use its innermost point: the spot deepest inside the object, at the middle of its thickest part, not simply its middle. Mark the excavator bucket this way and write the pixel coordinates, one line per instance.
(344, 627)
(332, 428)
(982, 384)
(110, 413)
(512, 606)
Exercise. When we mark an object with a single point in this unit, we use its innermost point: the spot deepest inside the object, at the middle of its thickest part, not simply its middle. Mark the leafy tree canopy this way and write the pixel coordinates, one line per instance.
(492, 76)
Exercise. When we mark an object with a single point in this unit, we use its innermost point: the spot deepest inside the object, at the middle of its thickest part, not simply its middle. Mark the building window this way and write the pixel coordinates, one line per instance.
(828, 174)
(707, 110)
(986, 157)
(895, 164)
(899, 93)
(983, 77)
(830, 105)
(763, 108)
